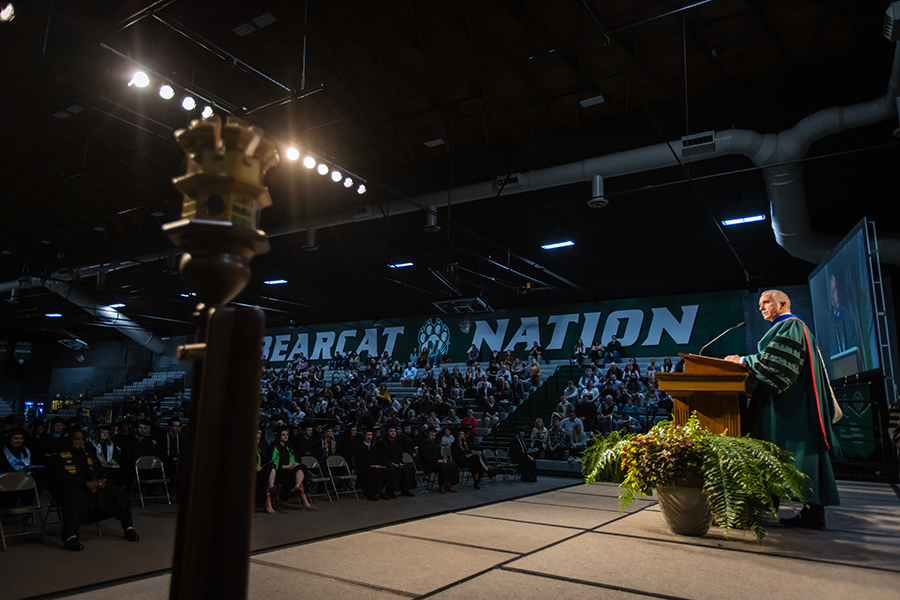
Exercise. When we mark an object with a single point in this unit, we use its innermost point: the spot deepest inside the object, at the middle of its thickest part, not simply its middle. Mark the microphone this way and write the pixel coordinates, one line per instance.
(738, 326)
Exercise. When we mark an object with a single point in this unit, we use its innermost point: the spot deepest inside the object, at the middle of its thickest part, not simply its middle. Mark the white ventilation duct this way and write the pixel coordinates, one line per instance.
(104, 314)
(784, 184)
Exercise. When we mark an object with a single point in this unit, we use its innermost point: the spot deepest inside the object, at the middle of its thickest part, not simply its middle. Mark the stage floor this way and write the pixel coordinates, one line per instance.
(556, 538)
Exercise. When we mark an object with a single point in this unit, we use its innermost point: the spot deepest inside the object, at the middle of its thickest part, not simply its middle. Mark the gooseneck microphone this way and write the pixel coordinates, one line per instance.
(708, 344)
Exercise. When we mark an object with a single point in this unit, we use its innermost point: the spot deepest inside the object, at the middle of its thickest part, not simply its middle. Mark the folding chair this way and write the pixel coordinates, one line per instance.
(490, 459)
(315, 476)
(507, 466)
(338, 464)
(20, 481)
(421, 476)
(150, 463)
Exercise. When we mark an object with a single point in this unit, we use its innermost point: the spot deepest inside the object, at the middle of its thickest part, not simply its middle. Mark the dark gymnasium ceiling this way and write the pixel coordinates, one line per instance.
(88, 160)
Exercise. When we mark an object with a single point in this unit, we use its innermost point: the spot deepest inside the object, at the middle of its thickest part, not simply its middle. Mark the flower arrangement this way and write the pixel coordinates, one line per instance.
(741, 476)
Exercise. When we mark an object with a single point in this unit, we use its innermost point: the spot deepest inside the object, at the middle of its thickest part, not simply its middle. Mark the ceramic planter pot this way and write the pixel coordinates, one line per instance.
(685, 509)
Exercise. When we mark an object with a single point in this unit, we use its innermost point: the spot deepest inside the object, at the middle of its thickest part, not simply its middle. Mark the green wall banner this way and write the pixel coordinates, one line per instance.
(646, 327)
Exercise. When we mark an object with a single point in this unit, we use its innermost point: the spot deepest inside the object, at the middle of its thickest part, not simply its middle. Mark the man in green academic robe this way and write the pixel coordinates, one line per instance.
(793, 405)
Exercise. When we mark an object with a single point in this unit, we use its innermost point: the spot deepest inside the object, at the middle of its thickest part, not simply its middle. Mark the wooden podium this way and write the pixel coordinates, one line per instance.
(712, 387)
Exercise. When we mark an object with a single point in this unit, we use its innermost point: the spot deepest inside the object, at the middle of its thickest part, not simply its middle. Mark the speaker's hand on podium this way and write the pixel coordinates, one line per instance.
(735, 358)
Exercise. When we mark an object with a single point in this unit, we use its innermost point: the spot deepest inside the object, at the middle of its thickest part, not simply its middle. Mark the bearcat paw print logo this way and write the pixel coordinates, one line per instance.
(435, 334)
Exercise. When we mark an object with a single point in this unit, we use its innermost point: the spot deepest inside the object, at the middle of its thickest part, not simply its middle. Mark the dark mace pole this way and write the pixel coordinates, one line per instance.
(223, 196)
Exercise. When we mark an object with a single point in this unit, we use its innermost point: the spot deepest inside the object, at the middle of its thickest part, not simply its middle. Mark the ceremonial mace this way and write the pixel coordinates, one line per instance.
(223, 194)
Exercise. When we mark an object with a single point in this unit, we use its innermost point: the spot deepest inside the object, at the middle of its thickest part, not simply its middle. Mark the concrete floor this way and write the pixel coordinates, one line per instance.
(565, 542)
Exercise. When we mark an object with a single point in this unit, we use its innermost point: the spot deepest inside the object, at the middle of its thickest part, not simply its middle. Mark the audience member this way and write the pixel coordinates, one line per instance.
(579, 352)
(524, 460)
(288, 472)
(555, 447)
(465, 457)
(614, 350)
(433, 462)
(398, 476)
(82, 492)
(369, 470)
(538, 438)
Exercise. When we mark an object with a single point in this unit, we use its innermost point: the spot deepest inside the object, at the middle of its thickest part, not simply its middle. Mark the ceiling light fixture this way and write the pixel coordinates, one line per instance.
(336, 176)
(166, 92)
(558, 245)
(292, 154)
(139, 79)
(207, 112)
(361, 189)
(348, 182)
(400, 265)
(743, 220)
(599, 99)
(117, 305)
(322, 169)
(309, 162)
(188, 103)
(8, 13)
(53, 315)
(275, 281)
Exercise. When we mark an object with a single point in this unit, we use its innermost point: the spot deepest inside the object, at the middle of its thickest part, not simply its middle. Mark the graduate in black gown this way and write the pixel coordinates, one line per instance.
(464, 455)
(264, 470)
(398, 476)
(433, 462)
(518, 452)
(287, 470)
(83, 493)
(369, 470)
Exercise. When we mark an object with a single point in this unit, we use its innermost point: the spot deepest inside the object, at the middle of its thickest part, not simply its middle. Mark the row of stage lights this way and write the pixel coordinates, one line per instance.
(167, 92)
(321, 168)
(141, 80)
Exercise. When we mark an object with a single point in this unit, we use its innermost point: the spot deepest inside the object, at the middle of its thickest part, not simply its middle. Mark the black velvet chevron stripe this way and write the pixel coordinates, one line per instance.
(772, 377)
(789, 369)
(790, 357)
(789, 342)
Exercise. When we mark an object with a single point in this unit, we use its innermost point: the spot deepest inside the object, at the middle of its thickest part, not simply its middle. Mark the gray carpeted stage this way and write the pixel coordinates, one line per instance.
(555, 538)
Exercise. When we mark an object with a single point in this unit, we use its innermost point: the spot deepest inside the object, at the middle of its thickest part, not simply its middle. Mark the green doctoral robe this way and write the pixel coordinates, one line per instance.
(794, 404)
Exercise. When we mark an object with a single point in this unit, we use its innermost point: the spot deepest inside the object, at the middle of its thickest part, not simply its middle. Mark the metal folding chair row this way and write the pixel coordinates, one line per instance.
(316, 476)
(150, 463)
(339, 470)
(19, 481)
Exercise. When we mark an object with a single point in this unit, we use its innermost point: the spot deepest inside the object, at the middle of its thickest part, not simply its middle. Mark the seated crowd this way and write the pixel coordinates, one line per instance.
(599, 403)
(88, 466)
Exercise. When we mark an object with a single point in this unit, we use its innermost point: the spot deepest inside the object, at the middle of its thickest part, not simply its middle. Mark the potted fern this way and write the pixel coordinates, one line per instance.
(698, 475)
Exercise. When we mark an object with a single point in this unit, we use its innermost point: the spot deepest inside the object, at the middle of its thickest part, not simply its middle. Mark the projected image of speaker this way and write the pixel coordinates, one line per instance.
(843, 307)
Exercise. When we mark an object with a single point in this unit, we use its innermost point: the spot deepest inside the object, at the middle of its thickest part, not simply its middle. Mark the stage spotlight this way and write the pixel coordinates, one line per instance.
(166, 92)
(322, 169)
(8, 13)
(361, 189)
(139, 79)
(336, 176)
(348, 183)
(188, 103)
(207, 112)
(292, 153)
(309, 162)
